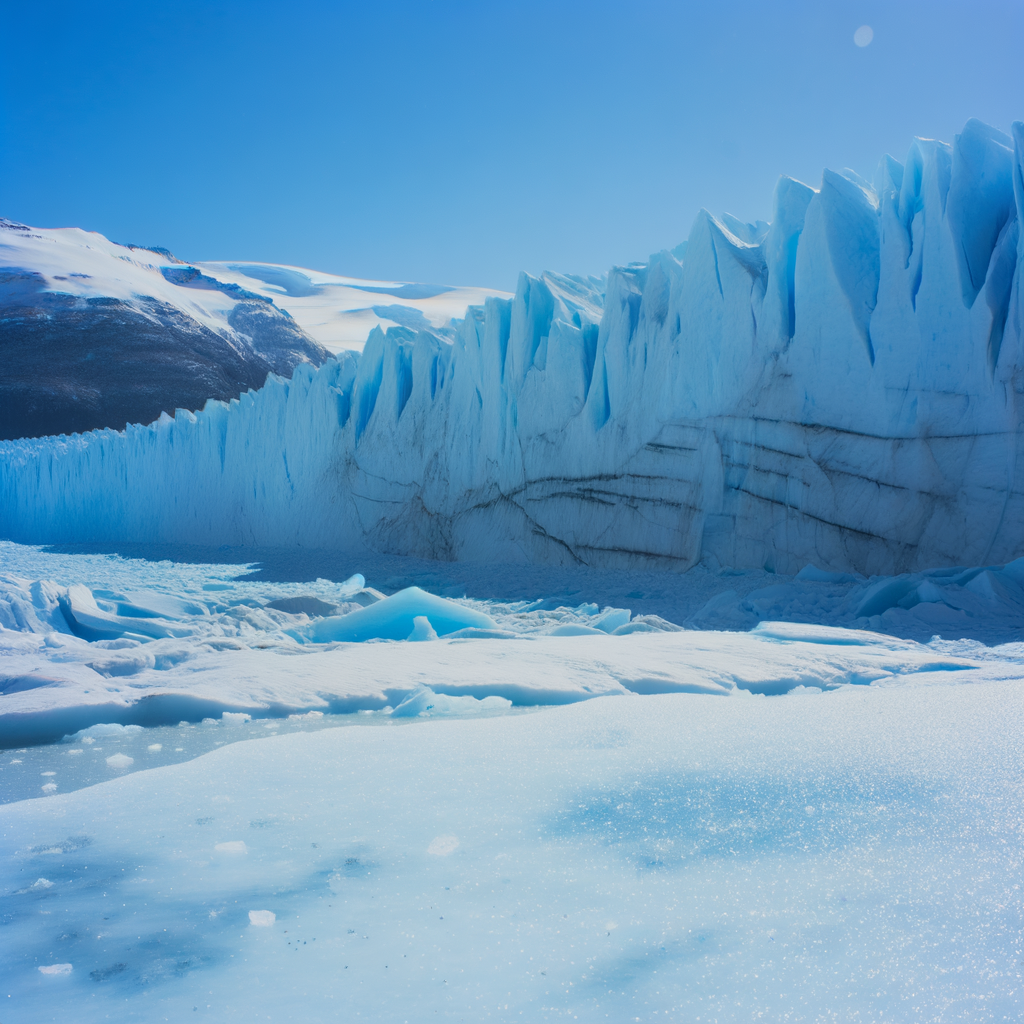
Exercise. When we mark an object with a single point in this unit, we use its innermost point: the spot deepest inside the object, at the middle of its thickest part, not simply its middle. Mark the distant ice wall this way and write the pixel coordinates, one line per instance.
(841, 387)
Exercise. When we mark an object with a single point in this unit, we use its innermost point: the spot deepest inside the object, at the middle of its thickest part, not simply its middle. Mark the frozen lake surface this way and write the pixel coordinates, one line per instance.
(845, 855)
(580, 811)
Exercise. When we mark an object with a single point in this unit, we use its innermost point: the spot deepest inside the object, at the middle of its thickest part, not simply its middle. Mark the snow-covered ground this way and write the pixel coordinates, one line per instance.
(93, 639)
(244, 806)
(852, 855)
(85, 264)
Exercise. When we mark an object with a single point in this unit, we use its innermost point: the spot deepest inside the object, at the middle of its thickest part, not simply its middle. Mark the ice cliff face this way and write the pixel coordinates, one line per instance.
(841, 387)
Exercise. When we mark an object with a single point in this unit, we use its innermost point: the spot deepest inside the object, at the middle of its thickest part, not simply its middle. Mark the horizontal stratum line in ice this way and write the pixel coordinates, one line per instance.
(841, 387)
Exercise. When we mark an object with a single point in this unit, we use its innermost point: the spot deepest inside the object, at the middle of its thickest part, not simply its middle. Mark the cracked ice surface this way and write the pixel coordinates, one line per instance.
(133, 642)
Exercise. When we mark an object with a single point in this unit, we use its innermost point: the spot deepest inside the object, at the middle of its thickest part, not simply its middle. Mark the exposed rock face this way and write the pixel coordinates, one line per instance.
(841, 387)
(76, 359)
(72, 365)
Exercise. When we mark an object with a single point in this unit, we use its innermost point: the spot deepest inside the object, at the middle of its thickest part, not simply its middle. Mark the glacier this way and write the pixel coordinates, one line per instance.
(840, 387)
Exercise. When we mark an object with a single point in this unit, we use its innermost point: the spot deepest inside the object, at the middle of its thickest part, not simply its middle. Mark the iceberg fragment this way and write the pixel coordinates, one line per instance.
(424, 702)
(395, 618)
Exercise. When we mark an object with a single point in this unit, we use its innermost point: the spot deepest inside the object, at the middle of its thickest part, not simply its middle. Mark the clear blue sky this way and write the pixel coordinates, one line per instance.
(462, 142)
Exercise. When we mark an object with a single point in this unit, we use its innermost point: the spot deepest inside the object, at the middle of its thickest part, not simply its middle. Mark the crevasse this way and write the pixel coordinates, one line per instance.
(841, 387)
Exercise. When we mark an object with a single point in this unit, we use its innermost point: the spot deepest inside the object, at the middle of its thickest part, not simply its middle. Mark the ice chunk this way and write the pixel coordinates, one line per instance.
(262, 918)
(443, 846)
(814, 634)
(884, 594)
(157, 604)
(394, 618)
(309, 605)
(120, 761)
(425, 703)
(92, 623)
(612, 618)
(647, 623)
(472, 633)
(93, 732)
(56, 970)
(352, 585)
(576, 629)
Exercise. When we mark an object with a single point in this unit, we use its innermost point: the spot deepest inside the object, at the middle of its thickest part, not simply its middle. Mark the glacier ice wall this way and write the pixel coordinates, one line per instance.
(842, 386)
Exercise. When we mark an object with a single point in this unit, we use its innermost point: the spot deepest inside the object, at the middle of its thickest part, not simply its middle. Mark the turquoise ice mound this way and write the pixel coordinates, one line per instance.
(394, 619)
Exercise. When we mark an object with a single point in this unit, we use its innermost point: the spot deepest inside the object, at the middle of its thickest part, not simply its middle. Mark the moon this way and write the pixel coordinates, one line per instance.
(864, 35)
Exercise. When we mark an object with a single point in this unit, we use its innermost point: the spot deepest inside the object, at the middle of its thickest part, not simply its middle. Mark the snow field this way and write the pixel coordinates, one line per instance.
(846, 848)
(846, 855)
(338, 312)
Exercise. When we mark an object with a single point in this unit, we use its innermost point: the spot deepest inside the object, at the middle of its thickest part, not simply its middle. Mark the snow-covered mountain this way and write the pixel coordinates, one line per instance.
(96, 334)
(340, 312)
(841, 387)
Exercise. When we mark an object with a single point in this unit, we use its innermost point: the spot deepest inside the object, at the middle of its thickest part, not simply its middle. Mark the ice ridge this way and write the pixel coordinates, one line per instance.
(839, 387)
